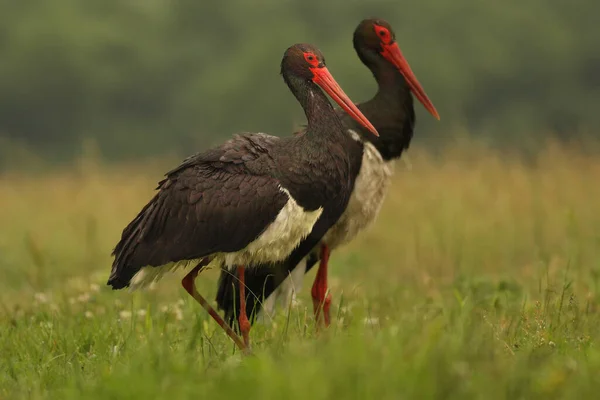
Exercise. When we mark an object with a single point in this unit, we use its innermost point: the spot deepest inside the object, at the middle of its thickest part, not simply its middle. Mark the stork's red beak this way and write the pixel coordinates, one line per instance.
(323, 78)
(392, 53)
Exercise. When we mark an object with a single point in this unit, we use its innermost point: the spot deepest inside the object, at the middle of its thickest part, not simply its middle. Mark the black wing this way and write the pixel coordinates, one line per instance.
(217, 201)
(395, 134)
(262, 282)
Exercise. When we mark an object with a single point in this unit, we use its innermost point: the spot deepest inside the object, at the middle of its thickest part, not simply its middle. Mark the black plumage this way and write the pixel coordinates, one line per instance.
(392, 112)
(220, 201)
(202, 206)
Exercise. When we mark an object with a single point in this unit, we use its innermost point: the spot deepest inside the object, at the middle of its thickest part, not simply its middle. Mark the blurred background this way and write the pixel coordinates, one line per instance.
(482, 273)
(141, 78)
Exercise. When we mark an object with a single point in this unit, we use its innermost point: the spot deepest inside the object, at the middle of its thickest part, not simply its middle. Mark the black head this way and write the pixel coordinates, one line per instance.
(303, 68)
(370, 37)
(300, 60)
(371, 34)
(375, 44)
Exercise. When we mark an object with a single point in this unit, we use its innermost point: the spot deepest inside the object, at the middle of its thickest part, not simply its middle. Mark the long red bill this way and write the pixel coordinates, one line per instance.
(393, 54)
(323, 78)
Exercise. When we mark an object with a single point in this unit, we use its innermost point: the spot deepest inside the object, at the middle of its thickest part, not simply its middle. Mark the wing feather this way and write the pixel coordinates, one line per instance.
(217, 201)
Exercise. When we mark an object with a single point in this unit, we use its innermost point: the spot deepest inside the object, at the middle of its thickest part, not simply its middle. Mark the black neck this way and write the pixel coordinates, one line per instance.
(391, 110)
(322, 120)
(393, 92)
(324, 159)
(391, 85)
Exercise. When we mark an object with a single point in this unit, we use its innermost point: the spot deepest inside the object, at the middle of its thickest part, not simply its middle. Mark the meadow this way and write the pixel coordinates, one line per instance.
(480, 279)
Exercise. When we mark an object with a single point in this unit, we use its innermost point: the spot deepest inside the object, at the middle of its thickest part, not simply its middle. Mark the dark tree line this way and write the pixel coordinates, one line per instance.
(145, 76)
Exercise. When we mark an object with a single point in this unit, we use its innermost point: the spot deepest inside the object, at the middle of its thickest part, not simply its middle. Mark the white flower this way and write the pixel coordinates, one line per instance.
(83, 297)
(178, 314)
(296, 302)
(41, 298)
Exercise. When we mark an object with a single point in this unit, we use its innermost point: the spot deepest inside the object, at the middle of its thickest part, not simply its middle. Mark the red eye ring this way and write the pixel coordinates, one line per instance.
(311, 59)
(383, 33)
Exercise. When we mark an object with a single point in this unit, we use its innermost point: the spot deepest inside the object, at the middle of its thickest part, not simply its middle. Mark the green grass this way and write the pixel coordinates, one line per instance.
(481, 279)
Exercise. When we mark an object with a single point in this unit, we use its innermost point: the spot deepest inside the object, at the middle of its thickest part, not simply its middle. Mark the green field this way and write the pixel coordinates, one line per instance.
(479, 280)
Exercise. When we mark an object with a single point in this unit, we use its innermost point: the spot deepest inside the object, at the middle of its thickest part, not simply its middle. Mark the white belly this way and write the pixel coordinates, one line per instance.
(370, 189)
(291, 225)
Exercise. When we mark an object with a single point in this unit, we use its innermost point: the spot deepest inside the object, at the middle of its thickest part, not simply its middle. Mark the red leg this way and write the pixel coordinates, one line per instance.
(243, 318)
(319, 290)
(188, 284)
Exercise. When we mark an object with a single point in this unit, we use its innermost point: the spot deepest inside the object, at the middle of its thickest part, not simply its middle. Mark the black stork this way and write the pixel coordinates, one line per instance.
(250, 200)
(391, 111)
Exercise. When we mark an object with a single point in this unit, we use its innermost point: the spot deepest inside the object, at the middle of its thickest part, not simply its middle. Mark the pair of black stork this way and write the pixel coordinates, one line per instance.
(261, 207)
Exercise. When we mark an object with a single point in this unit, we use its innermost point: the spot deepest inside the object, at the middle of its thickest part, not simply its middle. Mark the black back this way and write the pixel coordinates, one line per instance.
(223, 199)
(195, 213)
(392, 113)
